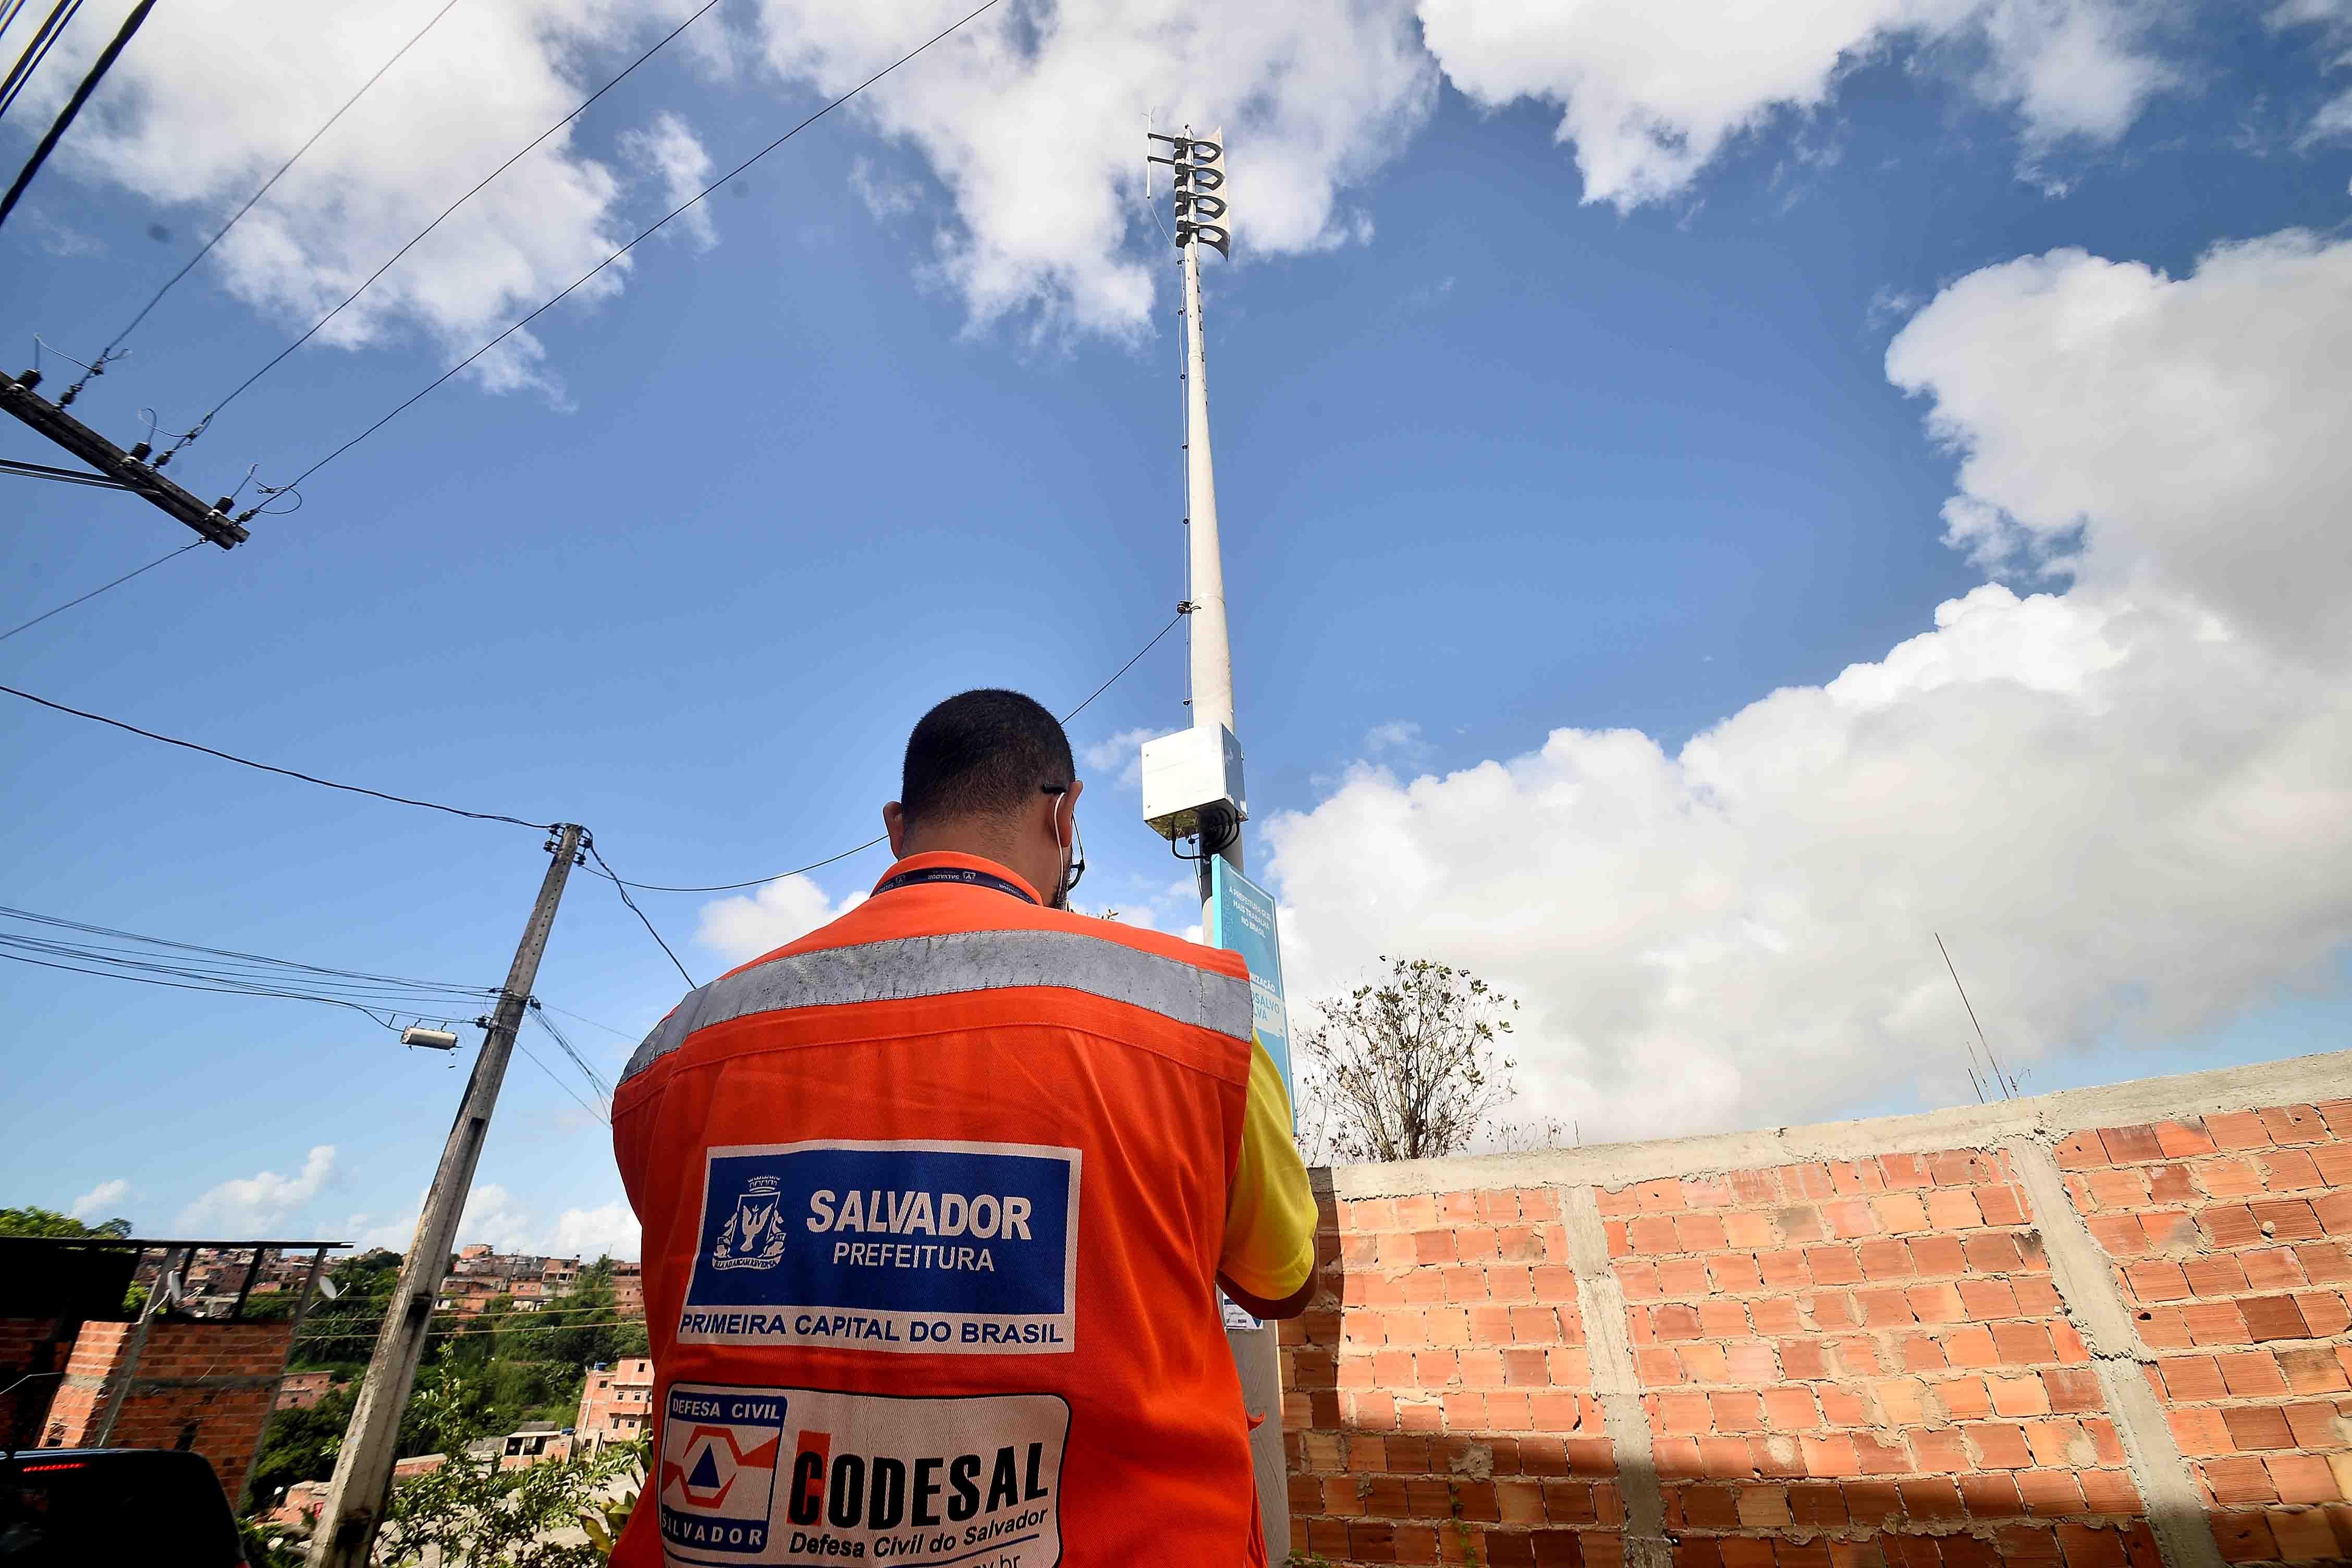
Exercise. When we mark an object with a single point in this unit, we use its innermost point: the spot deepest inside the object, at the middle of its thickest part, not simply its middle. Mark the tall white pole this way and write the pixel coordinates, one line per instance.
(1213, 659)
(1256, 1355)
(1213, 656)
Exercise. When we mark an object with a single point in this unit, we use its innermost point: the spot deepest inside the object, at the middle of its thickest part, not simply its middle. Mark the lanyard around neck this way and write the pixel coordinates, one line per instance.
(955, 874)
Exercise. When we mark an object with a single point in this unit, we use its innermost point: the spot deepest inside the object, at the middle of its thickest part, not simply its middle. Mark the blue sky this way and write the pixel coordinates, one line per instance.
(1522, 433)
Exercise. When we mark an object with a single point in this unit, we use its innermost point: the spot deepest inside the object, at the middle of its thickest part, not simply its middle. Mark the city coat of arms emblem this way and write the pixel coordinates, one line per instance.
(753, 1236)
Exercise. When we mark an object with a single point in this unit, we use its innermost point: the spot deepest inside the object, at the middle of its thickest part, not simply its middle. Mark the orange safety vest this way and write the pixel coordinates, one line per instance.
(933, 1200)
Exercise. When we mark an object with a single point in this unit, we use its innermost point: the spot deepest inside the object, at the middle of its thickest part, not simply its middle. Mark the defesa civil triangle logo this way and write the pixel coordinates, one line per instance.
(916, 1245)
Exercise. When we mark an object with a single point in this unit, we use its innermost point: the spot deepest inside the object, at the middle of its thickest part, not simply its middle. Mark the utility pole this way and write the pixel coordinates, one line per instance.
(363, 1484)
(1197, 173)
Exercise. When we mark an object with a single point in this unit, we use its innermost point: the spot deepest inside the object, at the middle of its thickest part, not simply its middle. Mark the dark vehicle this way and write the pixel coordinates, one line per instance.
(78, 1505)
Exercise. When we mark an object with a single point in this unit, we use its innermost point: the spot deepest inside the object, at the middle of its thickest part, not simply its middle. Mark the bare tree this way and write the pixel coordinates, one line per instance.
(1408, 1068)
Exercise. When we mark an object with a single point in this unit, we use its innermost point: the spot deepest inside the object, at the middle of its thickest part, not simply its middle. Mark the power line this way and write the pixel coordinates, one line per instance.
(595, 1081)
(730, 887)
(558, 1083)
(390, 261)
(94, 593)
(57, 132)
(59, 475)
(60, 923)
(623, 888)
(238, 217)
(858, 850)
(270, 768)
(386, 1021)
(1182, 611)
(44, 37)
(421, 394)
(616, 1034)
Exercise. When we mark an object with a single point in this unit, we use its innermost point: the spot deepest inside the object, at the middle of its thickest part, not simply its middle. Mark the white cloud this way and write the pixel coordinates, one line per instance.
(2332, 120)
(669, 151)
(742, 928)
(101, 1201)
(2125, 805)
(884, 196)
(1397, 734)
(495, 1216)
(1031, 120)
(217, 93)
(606, 1230)
(1120, 756)
(1649, 93)
(2202, 419)
(249, 1206)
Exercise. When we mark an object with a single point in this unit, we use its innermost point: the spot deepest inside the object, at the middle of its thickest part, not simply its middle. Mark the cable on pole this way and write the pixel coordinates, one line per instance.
(1182, 611)
(61, 476)
(238, 217)
(623, 888)
(44, 37)
(48, 143)
(283, 772)
(94, 593)
(369, 283)
(425, 391)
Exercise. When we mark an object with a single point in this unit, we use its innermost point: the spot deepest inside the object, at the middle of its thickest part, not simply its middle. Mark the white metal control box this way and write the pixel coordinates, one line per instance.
(1189, 769)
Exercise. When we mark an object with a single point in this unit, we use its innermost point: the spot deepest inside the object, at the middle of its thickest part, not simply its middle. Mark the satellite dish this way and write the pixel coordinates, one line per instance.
(327, 1288)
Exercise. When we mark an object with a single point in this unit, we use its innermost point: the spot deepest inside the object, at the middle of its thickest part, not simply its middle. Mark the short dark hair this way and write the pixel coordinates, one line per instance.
(982, 753)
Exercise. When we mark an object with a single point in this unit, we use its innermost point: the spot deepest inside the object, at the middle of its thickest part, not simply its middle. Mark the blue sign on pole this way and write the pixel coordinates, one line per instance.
(1241, 920)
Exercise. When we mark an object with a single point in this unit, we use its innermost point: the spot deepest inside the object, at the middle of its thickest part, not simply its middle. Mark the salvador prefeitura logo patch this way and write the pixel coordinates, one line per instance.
(918, 1247)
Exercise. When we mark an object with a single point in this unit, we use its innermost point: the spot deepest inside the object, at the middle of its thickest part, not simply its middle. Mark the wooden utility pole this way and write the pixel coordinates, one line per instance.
(362, 1489)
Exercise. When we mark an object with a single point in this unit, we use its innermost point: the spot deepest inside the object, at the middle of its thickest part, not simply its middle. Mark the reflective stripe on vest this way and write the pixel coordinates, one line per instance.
(906, 968)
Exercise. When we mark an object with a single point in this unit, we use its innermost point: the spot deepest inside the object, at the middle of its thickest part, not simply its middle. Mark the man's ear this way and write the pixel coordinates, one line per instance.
(894, 823)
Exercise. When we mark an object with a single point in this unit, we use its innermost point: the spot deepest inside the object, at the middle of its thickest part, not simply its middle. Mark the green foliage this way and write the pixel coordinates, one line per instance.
(265, 1545)
(1409, 1069)
(471, 1514)
(32, 1220)
(300, 1444)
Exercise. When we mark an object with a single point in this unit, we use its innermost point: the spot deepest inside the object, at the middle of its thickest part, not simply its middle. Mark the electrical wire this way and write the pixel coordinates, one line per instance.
(62, 476)
(385, 1021)
(94, 593)
(238, 217)
(228, 953)
(860, 849)
(623, 888)
(48, 143)
(558, 1083)
(52, 28)
(1181, 612)
(643, 234)
(595, 1081)
(393, 258)
(270, 768)
(616, 1034)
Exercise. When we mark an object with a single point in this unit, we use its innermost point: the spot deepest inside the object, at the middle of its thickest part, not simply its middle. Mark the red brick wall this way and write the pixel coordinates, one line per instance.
(2227, 1236)
(168, 1398)
(26, 1348)
(1865, 1359)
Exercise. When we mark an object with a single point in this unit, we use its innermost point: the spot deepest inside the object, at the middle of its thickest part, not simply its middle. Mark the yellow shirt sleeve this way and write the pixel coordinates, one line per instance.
(1269, 1248)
